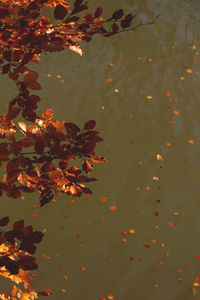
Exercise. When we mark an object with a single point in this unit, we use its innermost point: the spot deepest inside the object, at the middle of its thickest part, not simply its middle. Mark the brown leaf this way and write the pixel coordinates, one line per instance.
(46, 292)
(4, 221)
(98, 159)
(98, 12)
(87, 167)
(60, 12)
(33, 85)
(13, 112)
(31, 76)
(89, 125)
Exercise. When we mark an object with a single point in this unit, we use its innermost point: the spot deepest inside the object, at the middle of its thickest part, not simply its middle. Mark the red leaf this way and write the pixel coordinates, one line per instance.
(27, 262)
(98, 12)
(72, 19)
(7, 54)
(60, 12)
(27, 231)
(33, 85)
(87, 167)
(118, 14)
(17, 54)
(89, 125)
(14, 193)
(18, 225)
(4, 221)
(34, 98)
(6, 69)
(37, 237)
(20, 69)
(127, 21)
(45, 292)
(13, 113)
(77, 3)
(31, 76)
(63, 165)
(48, 114)
(88, 18)
(79, 9)
(14, 76)
(197, 279)
(39, 147)
(115, 27)
(98, 159)
(3, 13)
(72, 129)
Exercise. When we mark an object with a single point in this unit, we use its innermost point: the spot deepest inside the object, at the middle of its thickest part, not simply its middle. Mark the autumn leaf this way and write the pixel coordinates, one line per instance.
(118, 14)
(46, 292)
(98, 159)
(4, 221)
(98, 12)
(31, 76)
(13, 112)
(87, 167)
(76, 49)
(60, 12)
(48, 114)
(89, 125)
(33, 85)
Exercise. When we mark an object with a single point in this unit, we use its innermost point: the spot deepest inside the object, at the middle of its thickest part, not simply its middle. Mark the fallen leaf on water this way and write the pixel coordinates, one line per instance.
(191, 141)
(171, 223)
(189, 71)
(132, 231)
(113, 207)
(159, 157)
(104, 199)
(155, 178)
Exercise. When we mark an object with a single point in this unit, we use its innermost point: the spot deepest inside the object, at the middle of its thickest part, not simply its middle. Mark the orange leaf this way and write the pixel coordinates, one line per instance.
(33, 85)
(31, 76)
(113, 208)
(47, 114)
(98, 159)
(104, 199)
(76, 49)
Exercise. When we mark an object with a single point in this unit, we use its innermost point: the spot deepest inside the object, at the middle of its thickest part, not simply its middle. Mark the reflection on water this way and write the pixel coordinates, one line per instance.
(145, 248)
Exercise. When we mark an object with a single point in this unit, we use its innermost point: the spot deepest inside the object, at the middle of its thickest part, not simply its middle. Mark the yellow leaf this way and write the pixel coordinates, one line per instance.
(13, 290)
(159, 157)
(76, 49)
(189, 71)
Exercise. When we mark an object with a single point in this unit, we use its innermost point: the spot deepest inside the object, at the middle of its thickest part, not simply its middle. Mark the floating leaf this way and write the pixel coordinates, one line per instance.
(4, 221)
(89, 125)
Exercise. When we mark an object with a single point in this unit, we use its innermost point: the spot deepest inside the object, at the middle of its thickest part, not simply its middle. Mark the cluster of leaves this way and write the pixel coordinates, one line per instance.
(17, 247)
(54, 144)
(25, 31)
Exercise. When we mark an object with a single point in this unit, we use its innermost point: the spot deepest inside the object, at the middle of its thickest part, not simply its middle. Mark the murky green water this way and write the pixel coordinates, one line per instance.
(146, 110)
